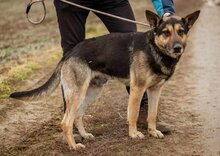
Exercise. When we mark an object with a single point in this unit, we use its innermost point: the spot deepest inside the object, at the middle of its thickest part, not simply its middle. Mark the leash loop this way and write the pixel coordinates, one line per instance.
(29, 8)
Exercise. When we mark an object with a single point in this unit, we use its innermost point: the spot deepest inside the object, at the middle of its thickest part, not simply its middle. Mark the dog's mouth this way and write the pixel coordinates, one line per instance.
(170, 52)
(175, 51)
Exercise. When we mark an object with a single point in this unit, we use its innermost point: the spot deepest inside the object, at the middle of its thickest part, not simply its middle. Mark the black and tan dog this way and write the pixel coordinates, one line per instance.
(143, 61)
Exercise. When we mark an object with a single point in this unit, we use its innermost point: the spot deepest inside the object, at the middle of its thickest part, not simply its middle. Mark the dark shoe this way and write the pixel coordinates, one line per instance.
(163, 127)
(142, 123)
(77, 138)
(143, 111)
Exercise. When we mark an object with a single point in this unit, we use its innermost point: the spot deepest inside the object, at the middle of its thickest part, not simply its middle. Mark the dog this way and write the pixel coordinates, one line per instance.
(144, 61)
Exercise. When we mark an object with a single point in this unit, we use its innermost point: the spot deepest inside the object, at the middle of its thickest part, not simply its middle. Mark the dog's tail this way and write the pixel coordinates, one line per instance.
(47, 88)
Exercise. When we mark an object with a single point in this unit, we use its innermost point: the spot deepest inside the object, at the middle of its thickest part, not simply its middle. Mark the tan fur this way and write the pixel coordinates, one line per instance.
(141, 78)
(163, 41)
(181, 39)
(154, 94)
(93, 92)
(138, 84)
(75, 82)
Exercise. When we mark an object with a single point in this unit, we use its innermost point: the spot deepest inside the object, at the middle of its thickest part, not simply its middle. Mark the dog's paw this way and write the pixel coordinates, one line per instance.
(88, 136)
(77, 146)
(155, 133)
(136, 134)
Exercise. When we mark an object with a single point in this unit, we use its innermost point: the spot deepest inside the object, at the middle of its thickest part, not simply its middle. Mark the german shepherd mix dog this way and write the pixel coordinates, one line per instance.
(142, 60)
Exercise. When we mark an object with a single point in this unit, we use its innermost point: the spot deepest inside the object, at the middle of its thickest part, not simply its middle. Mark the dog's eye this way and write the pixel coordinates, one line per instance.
(166, 33)
(181, 32)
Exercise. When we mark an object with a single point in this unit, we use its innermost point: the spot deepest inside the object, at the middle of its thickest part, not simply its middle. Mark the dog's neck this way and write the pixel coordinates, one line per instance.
(162, 64)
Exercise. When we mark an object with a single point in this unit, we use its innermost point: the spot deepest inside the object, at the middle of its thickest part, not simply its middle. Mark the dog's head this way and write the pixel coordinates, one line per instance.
(171, 32)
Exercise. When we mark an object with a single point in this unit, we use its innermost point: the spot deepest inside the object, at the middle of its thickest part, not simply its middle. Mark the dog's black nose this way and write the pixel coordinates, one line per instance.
(177, 48)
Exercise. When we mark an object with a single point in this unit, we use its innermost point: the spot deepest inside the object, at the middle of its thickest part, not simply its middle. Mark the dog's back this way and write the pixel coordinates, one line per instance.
(111, 54)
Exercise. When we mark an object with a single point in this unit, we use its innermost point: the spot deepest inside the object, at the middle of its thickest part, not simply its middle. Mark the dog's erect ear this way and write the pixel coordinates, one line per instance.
(152, 18)
(191, 18)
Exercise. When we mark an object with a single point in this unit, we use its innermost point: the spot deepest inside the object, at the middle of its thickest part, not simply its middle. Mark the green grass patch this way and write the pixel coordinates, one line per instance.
(19, 73)
(5, 90)
(55, 56)
(22, 72)
(95, 30)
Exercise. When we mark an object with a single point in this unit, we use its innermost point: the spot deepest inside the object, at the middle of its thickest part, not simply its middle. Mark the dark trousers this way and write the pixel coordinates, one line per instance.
(72, 20)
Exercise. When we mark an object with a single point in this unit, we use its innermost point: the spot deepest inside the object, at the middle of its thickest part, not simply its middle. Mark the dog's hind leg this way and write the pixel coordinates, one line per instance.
(153, 99)
(75, 84)
(92, 94)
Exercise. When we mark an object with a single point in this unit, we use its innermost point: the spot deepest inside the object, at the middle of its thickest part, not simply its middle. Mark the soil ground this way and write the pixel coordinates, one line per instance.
(189, 101)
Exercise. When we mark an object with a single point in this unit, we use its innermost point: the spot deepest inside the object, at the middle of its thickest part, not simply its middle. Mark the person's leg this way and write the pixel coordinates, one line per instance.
(71, 23)
(122, 9)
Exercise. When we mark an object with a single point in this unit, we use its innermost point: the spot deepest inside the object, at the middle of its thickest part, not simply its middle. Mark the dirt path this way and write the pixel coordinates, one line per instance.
(189, 102)
(206, 73)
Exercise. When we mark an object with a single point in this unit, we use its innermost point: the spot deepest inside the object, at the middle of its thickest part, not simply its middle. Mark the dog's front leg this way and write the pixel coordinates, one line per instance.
(136, 93)
(153, 99)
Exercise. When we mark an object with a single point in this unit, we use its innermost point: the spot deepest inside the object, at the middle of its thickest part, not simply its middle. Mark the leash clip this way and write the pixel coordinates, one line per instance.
(29, 8)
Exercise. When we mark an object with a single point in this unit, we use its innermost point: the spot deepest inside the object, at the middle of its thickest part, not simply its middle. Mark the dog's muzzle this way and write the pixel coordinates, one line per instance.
(177, 48)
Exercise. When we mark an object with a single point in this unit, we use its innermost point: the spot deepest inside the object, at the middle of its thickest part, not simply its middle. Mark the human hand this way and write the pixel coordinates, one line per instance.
(166, 14)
